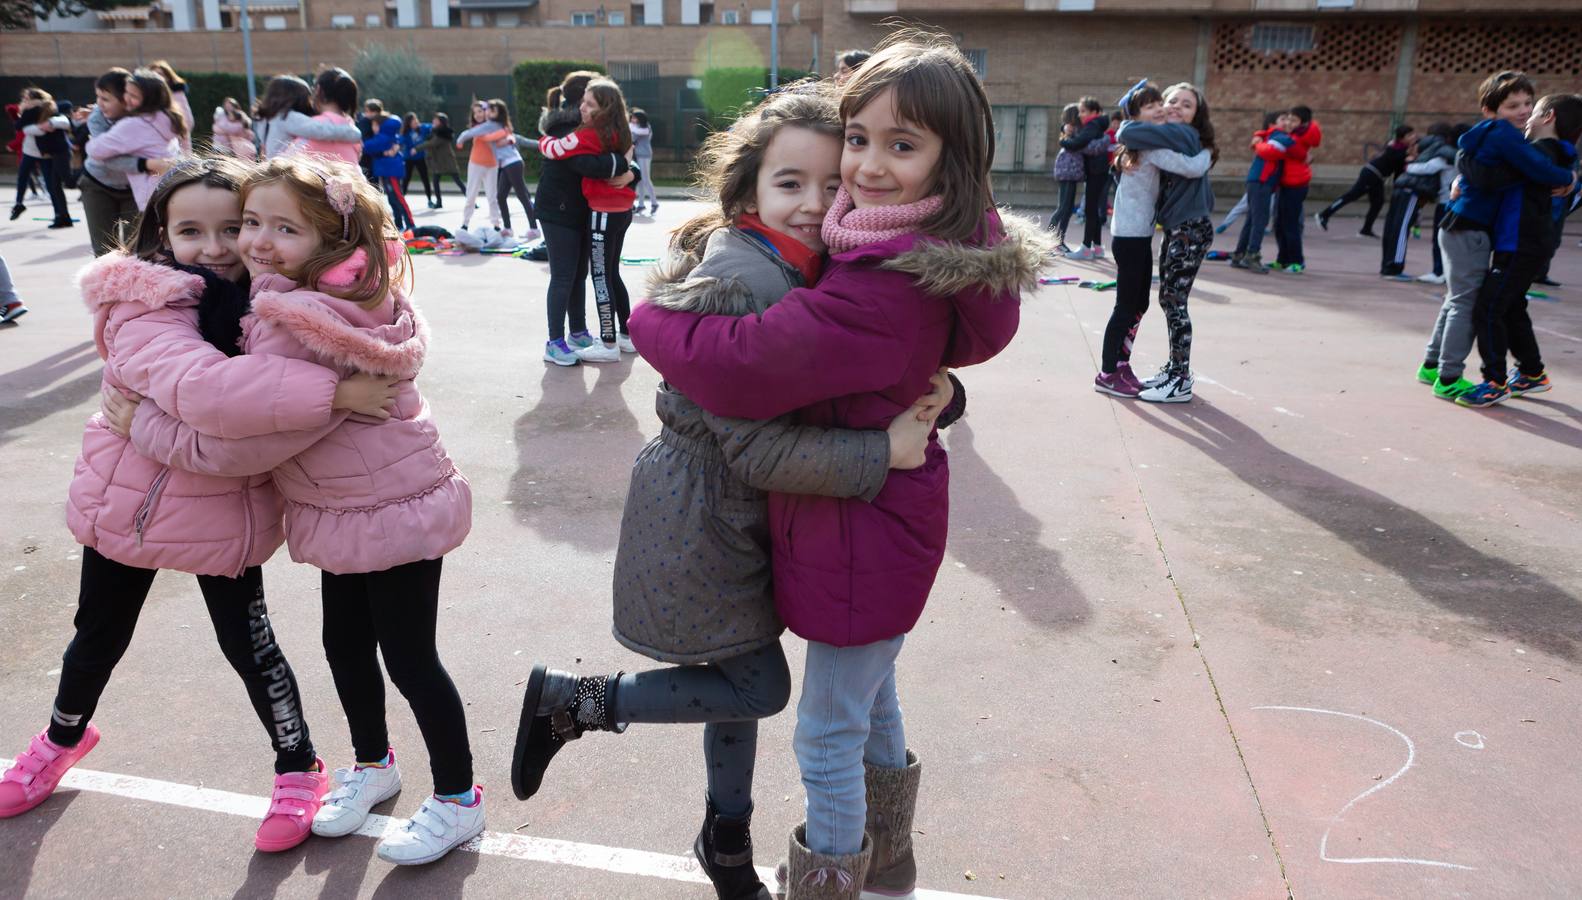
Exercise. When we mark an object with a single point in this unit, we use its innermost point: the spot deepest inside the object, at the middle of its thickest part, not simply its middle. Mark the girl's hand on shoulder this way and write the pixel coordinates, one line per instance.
(369, 395)
(118, 410)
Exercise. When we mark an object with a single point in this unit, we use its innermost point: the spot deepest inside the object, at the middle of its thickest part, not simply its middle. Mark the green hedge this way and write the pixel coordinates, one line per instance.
(727, 92)
(532, 79)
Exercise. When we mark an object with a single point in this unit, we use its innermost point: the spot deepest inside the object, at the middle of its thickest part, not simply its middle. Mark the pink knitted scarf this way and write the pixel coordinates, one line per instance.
(847, 228)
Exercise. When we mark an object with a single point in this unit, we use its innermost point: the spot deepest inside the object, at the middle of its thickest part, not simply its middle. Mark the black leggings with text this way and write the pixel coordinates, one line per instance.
(605, 237)
(109, 601)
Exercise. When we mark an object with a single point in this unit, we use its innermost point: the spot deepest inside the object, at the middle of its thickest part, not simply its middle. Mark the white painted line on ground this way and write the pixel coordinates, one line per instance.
(491, 843)
(1557, 334)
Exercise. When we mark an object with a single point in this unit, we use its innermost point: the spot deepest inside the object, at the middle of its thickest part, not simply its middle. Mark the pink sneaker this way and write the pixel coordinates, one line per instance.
(1116, 384)
(34, 775)
(1124, 369)
(296, 800)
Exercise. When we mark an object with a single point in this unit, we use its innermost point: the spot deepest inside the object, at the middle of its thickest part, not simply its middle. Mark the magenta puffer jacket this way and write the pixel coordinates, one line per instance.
(854, 352)
(139, 512)
(362, 495)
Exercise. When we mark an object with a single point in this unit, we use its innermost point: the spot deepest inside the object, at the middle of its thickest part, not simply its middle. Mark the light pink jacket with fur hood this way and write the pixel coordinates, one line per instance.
(139, 512)
(369, 495)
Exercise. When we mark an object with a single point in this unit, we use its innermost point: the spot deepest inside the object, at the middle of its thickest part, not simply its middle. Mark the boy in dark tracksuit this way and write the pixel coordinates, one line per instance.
(1524, 240)
(1466, 237)
(1389, 163)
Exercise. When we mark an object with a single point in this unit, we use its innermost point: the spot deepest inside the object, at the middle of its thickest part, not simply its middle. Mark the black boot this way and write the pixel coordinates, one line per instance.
(557, 707)
(17, 211)
(724, 849)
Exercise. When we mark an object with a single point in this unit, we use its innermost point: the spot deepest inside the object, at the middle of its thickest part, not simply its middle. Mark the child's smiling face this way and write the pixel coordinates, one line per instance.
(1181, 107)
(276, 236)
(887, 160)
(797, 182)
(1152, 113)
(204, 224)
(1516, 109)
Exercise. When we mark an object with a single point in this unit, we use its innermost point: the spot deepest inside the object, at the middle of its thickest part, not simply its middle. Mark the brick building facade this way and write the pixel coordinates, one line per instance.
(1361, 64)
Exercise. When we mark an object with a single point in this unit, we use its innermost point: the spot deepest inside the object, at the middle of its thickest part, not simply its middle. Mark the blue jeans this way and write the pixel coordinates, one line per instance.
(848, 714)
(1258, 196)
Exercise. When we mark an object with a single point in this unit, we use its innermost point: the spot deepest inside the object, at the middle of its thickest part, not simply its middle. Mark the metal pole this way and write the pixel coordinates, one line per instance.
(774, 44)
(247, 57)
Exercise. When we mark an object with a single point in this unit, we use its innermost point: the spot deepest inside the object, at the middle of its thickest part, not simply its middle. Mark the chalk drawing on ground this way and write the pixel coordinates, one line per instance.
(1411, 757)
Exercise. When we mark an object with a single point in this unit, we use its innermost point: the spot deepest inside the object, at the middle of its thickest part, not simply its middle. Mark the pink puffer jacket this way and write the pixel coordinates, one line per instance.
(370, 494)
(137, 511)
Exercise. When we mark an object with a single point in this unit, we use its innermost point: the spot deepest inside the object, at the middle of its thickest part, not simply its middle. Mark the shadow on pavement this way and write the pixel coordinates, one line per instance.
(23, 406)
(1003, 543)
(574, 452)
(1527, 414)
(1507, 598)
(446, 878)
(23, 837)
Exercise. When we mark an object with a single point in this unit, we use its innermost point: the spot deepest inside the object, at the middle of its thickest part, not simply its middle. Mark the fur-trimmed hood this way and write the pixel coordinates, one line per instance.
(946, 268)
(120, 278)
(390, 339)
(736, 276)
(116, 279)
(555, 119)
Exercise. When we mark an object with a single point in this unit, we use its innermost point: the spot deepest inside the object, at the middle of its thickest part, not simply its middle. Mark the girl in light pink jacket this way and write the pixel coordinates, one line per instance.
(167, 316)
(375, 504)
(153, 128)
(233, 131)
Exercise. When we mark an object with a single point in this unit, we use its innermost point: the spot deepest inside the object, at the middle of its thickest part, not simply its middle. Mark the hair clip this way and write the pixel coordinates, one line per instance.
(342, 195)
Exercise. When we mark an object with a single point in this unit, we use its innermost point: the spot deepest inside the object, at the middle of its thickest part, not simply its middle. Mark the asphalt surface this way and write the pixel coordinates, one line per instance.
(1316, 633)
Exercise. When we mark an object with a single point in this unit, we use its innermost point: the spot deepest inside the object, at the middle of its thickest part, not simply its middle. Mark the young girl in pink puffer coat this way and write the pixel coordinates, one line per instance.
(375, 504)
(166, 319)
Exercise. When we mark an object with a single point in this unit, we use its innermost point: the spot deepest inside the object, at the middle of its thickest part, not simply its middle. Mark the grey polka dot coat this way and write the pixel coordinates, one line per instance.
(692, 572)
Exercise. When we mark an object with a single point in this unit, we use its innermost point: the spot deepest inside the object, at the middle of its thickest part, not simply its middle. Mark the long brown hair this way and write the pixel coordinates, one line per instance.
(147, 240)
(46, 102)
(157, 98)
(285, 93)
(936, 88)
(728, 163)
(615, 131)
(1200, 121)
(368, 228)
(501, 113)
(168, 72)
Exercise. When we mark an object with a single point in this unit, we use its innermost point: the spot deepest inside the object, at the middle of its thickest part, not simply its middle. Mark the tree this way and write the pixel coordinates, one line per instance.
(17, 15)
(397, 77)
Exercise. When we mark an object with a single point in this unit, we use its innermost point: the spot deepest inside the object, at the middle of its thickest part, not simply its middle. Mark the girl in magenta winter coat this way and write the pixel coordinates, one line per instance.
(923, 273)
(166, 321)
(375, 504)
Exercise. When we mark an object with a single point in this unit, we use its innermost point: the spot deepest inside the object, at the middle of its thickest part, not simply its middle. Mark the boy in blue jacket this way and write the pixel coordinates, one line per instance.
(1466, 237)
(1524, 240)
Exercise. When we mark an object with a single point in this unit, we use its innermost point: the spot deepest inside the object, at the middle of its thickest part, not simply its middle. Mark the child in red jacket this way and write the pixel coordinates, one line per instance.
(1295, 177)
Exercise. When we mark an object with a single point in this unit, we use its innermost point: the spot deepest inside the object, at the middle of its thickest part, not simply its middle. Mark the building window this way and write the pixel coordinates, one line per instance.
(637, 14)
(373, 20)
(759, 17)
(1075, 6)
(730, 17)
(274, 23)
(616, 18)
(1281, 38)
(507, 20)
(584, 18)
(623, 72)
(343, 21)
(979, 60)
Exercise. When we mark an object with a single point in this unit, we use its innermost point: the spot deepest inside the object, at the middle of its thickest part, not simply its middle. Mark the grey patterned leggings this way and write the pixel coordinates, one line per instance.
(1180, 257)
(730, 695)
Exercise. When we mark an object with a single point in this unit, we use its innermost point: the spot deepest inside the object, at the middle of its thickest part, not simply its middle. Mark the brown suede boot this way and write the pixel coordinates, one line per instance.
(814, 876)
(892, 800)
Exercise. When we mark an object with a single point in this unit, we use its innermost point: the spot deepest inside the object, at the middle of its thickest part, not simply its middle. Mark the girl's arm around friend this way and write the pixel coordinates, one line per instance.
(168, 440)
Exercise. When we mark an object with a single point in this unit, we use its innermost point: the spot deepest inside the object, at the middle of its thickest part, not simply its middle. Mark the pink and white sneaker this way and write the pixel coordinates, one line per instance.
(296, 800)
(36, 773)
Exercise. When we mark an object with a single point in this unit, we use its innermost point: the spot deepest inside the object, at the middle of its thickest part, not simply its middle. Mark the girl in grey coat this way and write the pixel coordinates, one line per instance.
(692, 572)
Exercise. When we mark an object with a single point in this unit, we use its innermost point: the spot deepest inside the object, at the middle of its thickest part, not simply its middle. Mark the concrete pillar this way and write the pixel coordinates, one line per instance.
(182, 16)
(439, 13)
(1403, 70)
(211, 15)
(406, 14)
(1205, 48)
